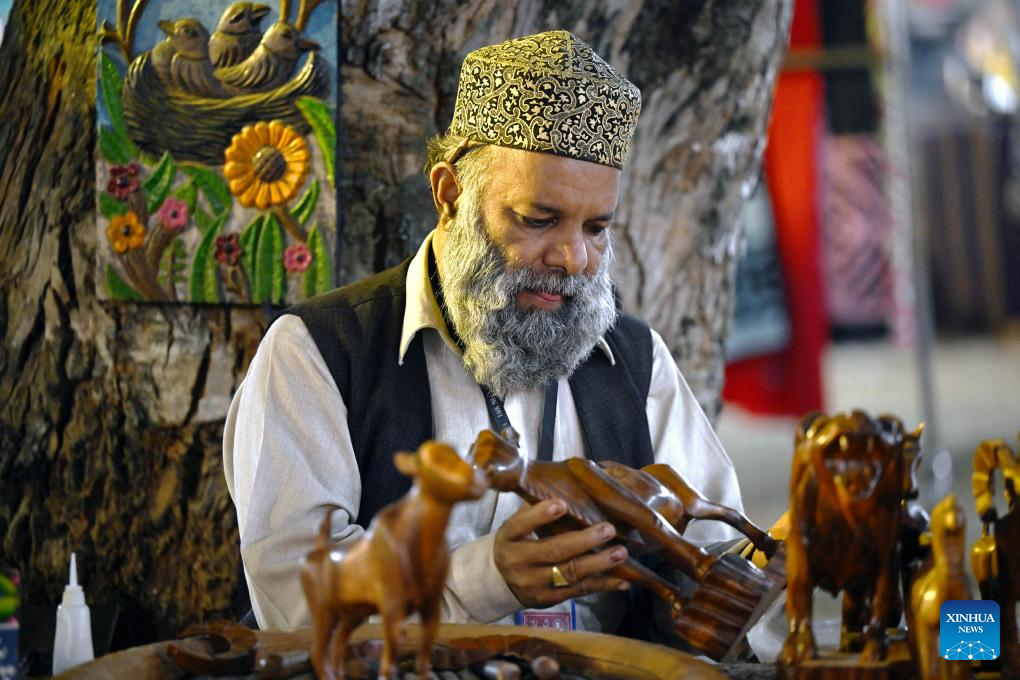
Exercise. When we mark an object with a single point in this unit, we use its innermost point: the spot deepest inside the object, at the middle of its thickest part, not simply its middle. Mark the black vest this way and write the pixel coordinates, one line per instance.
(357, 330)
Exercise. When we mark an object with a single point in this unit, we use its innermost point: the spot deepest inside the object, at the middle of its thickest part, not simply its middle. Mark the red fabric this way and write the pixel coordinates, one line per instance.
(789, 382)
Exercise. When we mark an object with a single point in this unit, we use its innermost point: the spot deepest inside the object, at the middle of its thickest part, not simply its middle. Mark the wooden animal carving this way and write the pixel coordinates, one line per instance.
(668, 494)
(398, 567)
(913, 552)
(994, 558)
(851, 474)
(649, 508)
(941, 578)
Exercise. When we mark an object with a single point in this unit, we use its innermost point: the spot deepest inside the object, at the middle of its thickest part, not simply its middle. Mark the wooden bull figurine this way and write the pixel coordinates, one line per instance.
(398, 567)
(649, 508)
(851, 474)
(941, 578)
(994, 559)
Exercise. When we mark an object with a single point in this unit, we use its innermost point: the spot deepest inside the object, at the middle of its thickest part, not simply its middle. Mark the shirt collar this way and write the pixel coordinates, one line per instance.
(422, 311)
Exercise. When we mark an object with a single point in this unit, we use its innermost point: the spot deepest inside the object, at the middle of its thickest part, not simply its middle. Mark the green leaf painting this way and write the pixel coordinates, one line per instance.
(110, 206)
(173, 265)
(270, 276)
(157, 185)
(318, 278)
(249, 239)
(187, 193)
(212, 186)
(117, 289)
(306, 205)
(202, 285)
(203, 219)
(113, 146)
(110, 81)
(321, 120)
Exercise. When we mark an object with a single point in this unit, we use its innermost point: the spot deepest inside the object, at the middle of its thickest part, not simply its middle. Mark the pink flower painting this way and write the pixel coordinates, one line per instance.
(297, 257)
(173, 214)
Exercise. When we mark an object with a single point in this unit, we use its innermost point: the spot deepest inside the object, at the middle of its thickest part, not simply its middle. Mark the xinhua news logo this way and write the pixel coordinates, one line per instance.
(969, 630)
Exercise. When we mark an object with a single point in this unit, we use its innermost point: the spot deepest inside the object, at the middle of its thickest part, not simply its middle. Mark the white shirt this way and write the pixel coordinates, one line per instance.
(287, 456)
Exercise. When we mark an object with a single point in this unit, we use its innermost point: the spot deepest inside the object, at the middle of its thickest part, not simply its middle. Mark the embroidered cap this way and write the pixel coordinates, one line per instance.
(547, 92)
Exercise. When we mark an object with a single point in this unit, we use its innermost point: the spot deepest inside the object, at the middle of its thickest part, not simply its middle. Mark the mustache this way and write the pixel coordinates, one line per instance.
(566, 285)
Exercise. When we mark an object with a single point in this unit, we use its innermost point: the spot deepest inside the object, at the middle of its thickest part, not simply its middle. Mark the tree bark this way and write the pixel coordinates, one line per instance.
(111, 414)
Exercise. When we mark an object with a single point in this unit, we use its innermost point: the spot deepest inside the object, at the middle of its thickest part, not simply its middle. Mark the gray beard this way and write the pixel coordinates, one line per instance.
(507, 348)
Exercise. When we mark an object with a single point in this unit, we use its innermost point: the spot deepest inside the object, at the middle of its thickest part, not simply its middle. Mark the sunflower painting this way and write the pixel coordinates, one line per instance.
(216, 151)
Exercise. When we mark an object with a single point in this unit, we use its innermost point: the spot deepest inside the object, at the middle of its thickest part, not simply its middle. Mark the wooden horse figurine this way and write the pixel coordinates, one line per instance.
(649, 509)
(398, 567)
(941, 578)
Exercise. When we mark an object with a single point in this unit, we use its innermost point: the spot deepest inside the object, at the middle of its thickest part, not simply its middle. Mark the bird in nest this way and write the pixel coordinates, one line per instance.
(271, 64)
(238, 33)
(181, 60)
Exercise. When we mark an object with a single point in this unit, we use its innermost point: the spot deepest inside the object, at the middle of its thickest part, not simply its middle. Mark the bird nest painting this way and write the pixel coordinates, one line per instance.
(215, 166)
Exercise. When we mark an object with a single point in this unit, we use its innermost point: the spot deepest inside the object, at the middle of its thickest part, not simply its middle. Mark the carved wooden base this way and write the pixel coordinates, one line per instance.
(731, 599)
(849, 667)
(897, 666)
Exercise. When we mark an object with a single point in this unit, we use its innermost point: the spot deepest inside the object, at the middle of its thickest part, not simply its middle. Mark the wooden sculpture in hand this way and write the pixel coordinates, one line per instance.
(398, 567)
(851, 474)
(996, 563)
(941, 578)
(650, 508)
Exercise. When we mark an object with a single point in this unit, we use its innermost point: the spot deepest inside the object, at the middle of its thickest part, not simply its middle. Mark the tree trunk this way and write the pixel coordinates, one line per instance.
(706, 70)
(111, 414)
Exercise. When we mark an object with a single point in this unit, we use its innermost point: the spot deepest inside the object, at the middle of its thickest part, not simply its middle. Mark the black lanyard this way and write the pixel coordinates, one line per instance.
(500, 420)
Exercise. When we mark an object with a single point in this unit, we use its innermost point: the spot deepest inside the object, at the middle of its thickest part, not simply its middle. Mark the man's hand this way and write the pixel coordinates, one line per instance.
(526, 562)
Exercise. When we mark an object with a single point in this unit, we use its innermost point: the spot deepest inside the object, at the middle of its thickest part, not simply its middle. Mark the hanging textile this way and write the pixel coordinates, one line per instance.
(788, 382)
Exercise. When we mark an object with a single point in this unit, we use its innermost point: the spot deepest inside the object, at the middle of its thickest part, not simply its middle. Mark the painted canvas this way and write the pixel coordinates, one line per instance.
(216, 150)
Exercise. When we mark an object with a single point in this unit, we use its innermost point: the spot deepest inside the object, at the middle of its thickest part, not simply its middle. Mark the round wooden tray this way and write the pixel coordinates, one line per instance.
(607, 656)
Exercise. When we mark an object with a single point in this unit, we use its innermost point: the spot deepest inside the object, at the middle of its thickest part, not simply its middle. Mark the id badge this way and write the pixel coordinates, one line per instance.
(561, 617)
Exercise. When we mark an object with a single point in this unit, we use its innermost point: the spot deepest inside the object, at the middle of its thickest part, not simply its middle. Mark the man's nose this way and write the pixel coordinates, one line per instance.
(568, 254)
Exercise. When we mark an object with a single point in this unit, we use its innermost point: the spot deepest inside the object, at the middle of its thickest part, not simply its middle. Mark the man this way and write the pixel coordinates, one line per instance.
(505, 316)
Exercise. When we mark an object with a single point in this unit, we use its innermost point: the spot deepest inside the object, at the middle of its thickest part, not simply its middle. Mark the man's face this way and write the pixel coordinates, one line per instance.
(549, 213)
(524, 267)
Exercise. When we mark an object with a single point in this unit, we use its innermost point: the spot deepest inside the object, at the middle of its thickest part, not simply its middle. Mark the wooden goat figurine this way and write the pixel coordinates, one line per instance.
(941, 578)
(398, 567)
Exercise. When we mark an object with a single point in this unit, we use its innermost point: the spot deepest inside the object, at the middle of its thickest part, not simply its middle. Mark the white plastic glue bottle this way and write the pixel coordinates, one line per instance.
(72, 645)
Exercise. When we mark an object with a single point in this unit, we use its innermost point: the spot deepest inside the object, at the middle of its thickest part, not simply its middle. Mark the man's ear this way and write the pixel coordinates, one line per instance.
(445, 190)
(406, 463)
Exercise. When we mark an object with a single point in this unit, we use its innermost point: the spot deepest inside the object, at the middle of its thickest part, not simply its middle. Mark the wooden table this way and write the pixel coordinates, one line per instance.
(606, 654)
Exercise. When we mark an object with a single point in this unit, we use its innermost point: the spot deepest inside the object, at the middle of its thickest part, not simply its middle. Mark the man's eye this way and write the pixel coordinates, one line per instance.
(537, 222)
(598, 229)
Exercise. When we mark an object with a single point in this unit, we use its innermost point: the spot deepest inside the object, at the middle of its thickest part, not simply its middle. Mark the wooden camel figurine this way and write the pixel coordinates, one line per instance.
(398, 567)
(941, 578)
(994, 559)
(851, 474)
(649, 508)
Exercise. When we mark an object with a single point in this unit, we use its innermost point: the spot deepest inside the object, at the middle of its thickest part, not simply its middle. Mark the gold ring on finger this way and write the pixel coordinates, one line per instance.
(558, 579)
